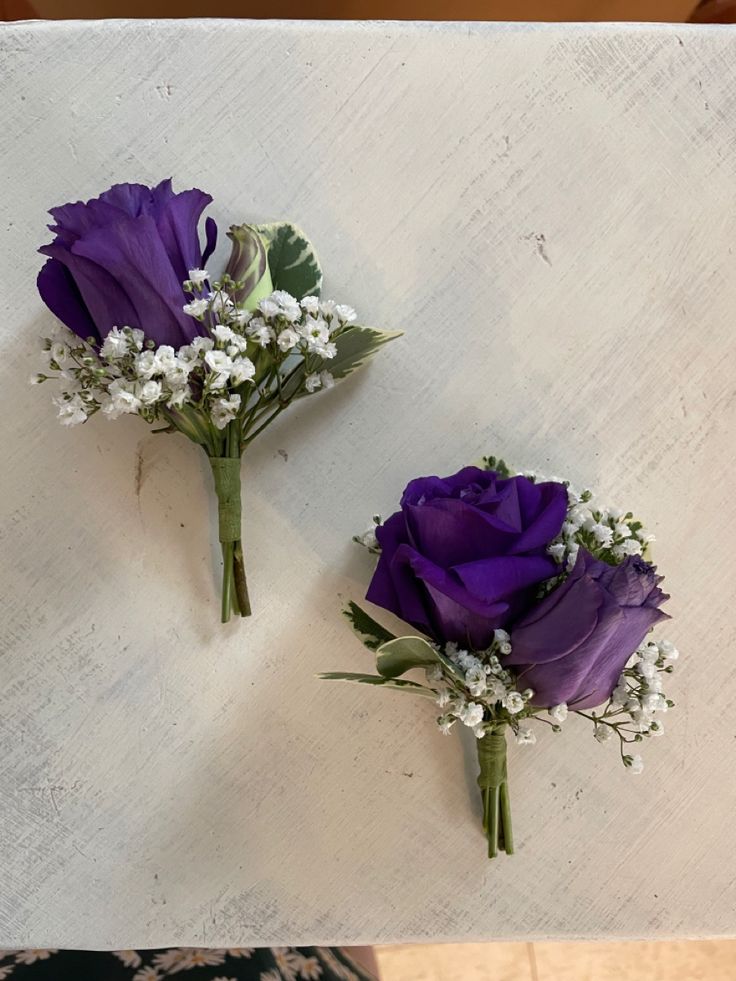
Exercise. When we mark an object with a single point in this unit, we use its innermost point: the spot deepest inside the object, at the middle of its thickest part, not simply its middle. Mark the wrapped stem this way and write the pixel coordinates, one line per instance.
(493, 783)
(226, 474)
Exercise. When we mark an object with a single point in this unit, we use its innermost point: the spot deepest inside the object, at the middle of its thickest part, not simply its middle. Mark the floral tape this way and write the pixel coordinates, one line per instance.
(492, 760)
(226, 472)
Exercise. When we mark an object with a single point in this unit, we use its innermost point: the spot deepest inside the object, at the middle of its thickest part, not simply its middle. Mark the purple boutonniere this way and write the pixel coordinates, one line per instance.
(149, 331)
(531, 603)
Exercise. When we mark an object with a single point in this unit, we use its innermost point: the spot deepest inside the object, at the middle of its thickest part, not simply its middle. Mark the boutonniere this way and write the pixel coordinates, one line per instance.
(150, 330)
(529, 603)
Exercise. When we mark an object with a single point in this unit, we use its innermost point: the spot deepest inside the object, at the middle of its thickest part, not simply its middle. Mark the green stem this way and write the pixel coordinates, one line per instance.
(493, 783)
(263, 425)
(227, 581)
(226, 474)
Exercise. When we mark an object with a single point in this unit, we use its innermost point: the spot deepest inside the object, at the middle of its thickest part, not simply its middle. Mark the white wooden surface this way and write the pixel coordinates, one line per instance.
(548, 213)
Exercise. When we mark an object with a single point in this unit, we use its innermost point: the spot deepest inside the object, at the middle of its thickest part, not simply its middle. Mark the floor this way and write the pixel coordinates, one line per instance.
(687, 961)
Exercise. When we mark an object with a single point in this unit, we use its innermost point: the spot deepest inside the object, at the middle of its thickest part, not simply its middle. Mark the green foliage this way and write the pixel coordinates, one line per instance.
(496, 464)
(371, 633)
(395, 684)
(291, 258)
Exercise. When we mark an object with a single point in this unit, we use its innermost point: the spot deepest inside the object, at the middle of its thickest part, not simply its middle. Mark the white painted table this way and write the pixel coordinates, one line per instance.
(548, 213)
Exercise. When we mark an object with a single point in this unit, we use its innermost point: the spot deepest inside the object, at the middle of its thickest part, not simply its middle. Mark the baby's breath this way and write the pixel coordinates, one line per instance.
(291, 341)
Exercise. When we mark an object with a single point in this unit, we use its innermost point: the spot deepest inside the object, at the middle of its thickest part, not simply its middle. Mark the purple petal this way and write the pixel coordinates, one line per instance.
(210, 231)
(548, 521)
(177, 226)
(132, 253)
(568, 621)
(603, 674)
(450, 532)
(104, 298)
(60, 294)
(499, 578)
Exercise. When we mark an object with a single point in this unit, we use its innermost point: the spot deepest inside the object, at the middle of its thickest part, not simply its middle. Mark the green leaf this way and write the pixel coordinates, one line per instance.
(370, 632)
(291, 258)
(404, 653)
(496, 463)
(355, 346)
(397, 684)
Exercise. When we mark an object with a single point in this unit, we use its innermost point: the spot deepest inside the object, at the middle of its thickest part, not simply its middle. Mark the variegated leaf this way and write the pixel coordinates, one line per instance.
(292, 260)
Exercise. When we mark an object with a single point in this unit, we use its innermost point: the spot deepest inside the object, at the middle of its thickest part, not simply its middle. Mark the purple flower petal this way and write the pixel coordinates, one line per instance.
(135, 257)
(60, 294)
(210, 231)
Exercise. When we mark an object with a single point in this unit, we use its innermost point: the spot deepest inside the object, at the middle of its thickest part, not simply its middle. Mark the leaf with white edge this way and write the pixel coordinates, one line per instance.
(355, 345)
(371, 633)
(405, 653)
(292, 260)
(395, 684)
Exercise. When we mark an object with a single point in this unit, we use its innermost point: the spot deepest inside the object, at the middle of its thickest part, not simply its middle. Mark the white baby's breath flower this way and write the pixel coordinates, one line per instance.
(557, 551)
(525, 736)
(603, 733)
(225, 410)
(287, 339)
(345, 314)
(602, 534)
(668, 650)
(622, 530)
(636, 764)
(559, 712)
(71, 411)
(310, 304)
(312, 382)
(122, 398)
(242, 370)
(150, 392)
(116, 345)
(196, 308)
(220, 363)
(513, 702)
(269, 308)
(146, 365)
(327, 379)
(443, 697)
(628, 547)
(328, 308)
(198, 276)
(241, 317)
(178, 374)
(368, 538)
(261, 333)
(223, 333)
(479, 731)
(445, 723)
(471, 714)
(200, 344)
(326, 351)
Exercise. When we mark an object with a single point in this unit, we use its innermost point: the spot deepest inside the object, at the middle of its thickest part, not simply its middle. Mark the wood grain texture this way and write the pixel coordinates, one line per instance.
(547, 213)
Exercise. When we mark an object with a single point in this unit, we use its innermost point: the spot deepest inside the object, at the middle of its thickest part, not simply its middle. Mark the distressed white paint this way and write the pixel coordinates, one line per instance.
(548, 213)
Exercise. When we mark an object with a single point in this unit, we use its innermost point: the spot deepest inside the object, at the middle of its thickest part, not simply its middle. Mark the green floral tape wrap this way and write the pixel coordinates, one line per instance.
(492, 760)
(226, 472)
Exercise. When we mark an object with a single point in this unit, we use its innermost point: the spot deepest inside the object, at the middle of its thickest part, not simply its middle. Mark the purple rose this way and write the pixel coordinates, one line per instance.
(466, 553)
(119, 260)
(573, 645)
